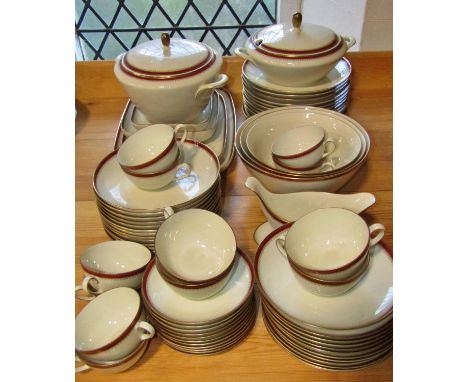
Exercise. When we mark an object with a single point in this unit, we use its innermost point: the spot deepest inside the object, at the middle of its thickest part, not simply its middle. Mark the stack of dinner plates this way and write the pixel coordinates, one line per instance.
(204, 326)
(255, 137)
(130, 213)
(350, 331)
(331, 92)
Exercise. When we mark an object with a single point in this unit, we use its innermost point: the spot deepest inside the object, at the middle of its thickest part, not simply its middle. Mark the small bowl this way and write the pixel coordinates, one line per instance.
(150, 150)
(329, 244)
(302, 148)
(329, 288)
(195, 246)
(110, 265)
(195, 291)
(158, 180)
(111, 326)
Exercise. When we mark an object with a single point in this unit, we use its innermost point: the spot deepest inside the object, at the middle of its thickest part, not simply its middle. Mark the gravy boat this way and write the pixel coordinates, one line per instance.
(280, 209)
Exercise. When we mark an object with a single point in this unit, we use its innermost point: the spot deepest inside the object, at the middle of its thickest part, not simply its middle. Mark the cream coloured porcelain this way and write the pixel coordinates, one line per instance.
(195, 245)
(285, 208)
(157, 180)
(168, 303)
(204, 292)
(262, 130)
(331, 289)
(365, 307)
(334, 79)
(203, 123)
(150, 150)
(161, 75)
(115, 366)
(111, 326)
(112, 185)
(330, 243)
(302, 148)
(295, 54)
(263, 230)
(112, 264)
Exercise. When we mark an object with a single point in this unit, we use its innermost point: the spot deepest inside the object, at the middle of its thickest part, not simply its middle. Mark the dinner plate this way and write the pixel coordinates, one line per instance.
(230, 117)
(262, 92)
(168, 303)
(261, 133)
(368, 303)
(112, 185)
(250, 111)
(269, 100)
(335, 77)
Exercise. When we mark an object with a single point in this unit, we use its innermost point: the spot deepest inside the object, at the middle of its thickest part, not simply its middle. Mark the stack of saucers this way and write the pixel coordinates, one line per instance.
(206, 326)
(133, 214)
(330, 92)
(257, 134)
(344, 332)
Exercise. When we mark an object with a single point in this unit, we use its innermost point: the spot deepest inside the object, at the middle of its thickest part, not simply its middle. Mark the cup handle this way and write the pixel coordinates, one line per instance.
(184, 136)
(207, 89)
(329, 142)
(350, 41)
(380, 230)
(148, 328)
(280, 246)
(81, 368)
(187, 169)
(168, 211)
(85, 287)
(327, 164)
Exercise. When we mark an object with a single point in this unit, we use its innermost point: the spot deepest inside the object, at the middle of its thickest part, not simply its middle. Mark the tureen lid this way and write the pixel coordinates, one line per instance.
(296, 39)
(167, 58)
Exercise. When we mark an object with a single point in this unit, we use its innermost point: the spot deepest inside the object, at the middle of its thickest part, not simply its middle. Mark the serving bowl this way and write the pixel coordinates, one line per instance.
(111, 326)
(170, 80)
(112, 264)
(295, 54)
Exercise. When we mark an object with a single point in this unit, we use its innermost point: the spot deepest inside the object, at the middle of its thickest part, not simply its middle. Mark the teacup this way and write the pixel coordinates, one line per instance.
(157, 180)
(111, 326)
(329, 288)
(150, 150)
(330, 244)
(112, 264)
(195, 291)
(195, 246)
(302, 148)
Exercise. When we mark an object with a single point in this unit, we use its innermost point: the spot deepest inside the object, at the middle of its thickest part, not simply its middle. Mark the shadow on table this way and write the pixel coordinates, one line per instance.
(82, 116)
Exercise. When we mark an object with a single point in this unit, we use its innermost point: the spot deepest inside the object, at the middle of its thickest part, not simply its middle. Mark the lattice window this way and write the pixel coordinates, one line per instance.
(106, 28)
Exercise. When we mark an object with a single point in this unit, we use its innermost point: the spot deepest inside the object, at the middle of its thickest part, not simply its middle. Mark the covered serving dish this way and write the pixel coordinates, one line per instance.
(170, 80)
(295, 54)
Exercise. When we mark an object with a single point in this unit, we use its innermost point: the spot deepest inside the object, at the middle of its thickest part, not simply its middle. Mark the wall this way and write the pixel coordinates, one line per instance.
(369, 21)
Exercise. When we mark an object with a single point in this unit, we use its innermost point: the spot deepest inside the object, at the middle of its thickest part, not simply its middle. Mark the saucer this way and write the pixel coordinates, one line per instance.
(168, 303)
(112, 185)
(260, 135)
(339, 74)
(366, 307)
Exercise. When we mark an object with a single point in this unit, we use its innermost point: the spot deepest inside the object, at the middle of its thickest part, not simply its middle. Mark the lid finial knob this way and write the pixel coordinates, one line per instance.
(165, 40)
(297, 20)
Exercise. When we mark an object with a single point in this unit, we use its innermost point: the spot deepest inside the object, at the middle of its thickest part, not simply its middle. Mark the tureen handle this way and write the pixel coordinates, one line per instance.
(350, 41)
(165, 41)
(206, 90)
(244, 53)
(297, 20)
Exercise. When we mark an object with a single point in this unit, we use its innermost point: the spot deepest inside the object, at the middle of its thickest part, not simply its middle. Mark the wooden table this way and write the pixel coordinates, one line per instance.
(100, 102)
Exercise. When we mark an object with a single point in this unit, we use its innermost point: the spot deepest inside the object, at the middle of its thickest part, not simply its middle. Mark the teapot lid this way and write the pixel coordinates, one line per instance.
(296, 40)
(167, 58)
